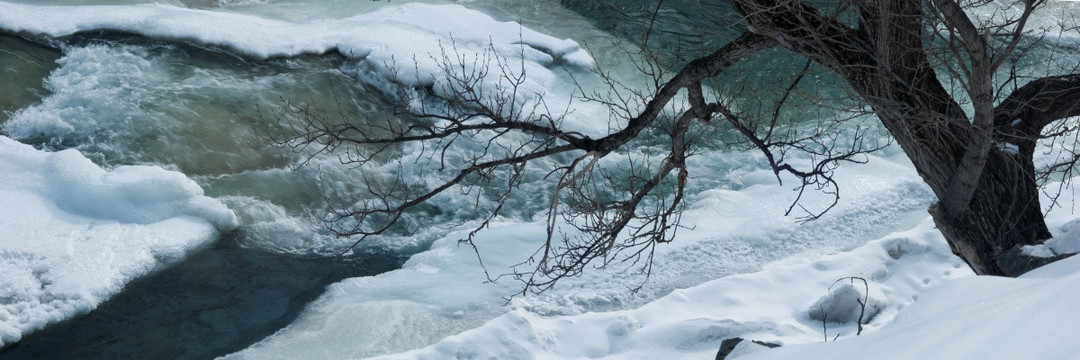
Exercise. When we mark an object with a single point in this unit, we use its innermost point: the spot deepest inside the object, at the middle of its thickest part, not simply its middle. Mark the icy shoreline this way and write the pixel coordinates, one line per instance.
(381, 36)
(74, 234)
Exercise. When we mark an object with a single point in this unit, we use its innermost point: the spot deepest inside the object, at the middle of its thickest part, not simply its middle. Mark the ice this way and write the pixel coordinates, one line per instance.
(392, 35)
(130, 194)
(437, 293)
(80, 232)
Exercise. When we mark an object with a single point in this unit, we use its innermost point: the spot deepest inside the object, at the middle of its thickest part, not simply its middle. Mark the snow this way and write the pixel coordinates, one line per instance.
(444, 291)
(931, 307)
(925, 302)
(410, 44)
(1010, 148)
(385, 36)
(1067, 242)
(771, 305)
(1032, 317)
(80, 232)
(359, 36)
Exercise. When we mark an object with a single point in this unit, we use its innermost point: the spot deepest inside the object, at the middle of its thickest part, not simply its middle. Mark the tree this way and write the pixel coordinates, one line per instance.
(944, 83)
(979, 165)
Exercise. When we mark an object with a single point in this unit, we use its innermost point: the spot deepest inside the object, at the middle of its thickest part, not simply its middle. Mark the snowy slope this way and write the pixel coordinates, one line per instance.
(771, 305)
(926, 304)
(1031, 317)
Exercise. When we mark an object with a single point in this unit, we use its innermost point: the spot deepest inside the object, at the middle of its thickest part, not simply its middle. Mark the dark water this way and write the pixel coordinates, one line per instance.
(23, 65)
(676, 32)
(683, 29)
(217, 301)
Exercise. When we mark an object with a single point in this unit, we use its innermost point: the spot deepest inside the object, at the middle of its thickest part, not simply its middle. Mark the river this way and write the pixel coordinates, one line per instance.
(195, 88)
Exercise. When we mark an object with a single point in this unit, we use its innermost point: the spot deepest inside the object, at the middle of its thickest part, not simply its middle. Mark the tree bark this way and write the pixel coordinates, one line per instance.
(1003, 215)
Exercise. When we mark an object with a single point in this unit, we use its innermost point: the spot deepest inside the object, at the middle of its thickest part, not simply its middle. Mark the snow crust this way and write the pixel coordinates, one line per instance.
(73, 233)
(392, 34)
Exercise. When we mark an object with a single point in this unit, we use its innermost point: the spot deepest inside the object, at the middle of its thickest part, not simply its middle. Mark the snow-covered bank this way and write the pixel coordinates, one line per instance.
(380, 34)
(771, 305)
(442, 292)
(914, 284)
(396, 39)
(925, 304)
(72, 234)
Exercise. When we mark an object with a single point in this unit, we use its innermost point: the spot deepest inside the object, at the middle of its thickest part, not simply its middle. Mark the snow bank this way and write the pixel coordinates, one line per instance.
(917, 289)
(1031, 317)
(926, 304)
(443, 291)
(74, 234)
(930, 307)
(771, 305)
(410, 44)
(392, 35)
(261, 37)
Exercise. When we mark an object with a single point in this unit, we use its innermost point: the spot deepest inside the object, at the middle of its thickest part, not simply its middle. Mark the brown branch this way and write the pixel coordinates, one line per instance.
(692, 73)
(1039, 103)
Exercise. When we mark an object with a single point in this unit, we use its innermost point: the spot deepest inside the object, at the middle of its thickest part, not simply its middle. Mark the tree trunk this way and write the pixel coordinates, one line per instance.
(1004, 214)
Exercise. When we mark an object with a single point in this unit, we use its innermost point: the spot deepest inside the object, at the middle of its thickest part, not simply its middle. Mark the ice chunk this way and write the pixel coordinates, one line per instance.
(73, 233)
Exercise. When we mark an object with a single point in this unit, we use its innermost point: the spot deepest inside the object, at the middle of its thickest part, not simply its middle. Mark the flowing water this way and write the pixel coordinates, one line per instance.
(200, 91)
(122, 98)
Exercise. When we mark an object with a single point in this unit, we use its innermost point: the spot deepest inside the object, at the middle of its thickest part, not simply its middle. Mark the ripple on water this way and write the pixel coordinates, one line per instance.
(23, 68)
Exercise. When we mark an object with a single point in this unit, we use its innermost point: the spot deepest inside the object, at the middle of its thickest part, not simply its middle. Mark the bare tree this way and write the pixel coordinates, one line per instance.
(942, 82)
(978, 162)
